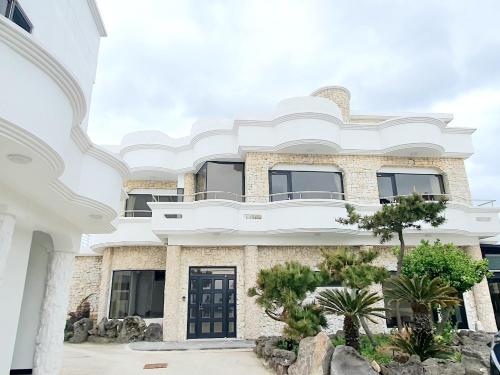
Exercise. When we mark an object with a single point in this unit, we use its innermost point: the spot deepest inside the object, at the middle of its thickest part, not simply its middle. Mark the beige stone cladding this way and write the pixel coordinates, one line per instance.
(127, 258)
(359, 173)
(86, 281)
(176, 320)
(149, 184)
(189, 187)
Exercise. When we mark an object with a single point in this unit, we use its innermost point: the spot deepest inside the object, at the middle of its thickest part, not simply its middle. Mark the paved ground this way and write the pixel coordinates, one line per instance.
(116, 359)
(193, 345)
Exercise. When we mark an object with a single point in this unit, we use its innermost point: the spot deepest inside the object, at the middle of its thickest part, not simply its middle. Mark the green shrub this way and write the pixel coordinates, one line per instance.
(367, 350)
(421, 344)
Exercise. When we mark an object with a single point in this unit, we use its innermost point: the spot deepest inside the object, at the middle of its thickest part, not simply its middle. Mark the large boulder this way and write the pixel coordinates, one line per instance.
(346, 360)
(313, 357)
(412, 367)
(113, 327)
(154, 332)
(132, 329)
(435, 366)
(81, 330)
(100, 328)
(281, 360)
(475, 360)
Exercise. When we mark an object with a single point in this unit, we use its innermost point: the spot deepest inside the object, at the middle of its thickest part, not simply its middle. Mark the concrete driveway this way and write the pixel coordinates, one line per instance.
(118, 359)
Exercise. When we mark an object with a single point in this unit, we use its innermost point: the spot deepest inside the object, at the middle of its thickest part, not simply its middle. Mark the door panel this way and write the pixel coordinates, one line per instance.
(212, 303)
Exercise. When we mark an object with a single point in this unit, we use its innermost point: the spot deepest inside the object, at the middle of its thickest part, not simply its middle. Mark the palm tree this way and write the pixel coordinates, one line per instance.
(422, 293)
(353, 305)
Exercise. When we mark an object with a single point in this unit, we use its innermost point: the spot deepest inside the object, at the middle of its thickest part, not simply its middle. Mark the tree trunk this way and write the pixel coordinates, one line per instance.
(401, 252)
(351, 332)
(368, 333)
(398, 317)
(422, 322)
(445, 316)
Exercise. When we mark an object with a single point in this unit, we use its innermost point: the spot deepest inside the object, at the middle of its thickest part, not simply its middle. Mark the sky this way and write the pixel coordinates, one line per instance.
(166, 64)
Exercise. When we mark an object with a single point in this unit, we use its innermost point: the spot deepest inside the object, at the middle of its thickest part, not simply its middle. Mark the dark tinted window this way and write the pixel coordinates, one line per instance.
(137, 204)
(393, 184)
(137, 293)
(305, 185)
(11, 9)
(221, 180)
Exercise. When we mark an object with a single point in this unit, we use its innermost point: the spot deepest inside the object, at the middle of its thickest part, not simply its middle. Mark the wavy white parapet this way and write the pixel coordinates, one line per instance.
(308, 125)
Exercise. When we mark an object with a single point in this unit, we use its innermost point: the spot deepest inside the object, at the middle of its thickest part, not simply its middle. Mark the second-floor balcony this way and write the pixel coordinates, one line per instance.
(303, 211)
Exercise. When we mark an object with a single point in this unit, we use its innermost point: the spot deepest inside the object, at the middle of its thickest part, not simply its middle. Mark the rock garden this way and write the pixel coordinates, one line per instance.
(429, 279)
(80, 328)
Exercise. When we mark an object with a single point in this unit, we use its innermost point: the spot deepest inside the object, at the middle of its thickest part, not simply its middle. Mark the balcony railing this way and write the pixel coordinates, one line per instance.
(297, 195)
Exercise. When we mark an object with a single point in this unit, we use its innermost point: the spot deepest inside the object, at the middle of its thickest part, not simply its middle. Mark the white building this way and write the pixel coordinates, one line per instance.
(204, 213)
(199, 216)
(48, 172)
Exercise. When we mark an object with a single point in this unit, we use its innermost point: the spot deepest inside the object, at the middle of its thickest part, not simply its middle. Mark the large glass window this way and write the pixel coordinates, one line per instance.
(137, 204)
(394, 184)
(137, 293)
(221, 180)
(305, 185)
(492, 253)
(12, 10)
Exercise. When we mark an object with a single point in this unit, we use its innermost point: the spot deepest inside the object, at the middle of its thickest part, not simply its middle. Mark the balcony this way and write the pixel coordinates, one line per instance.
(301, 212)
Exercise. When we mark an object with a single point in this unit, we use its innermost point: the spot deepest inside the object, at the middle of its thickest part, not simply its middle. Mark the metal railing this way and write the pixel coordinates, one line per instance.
(298, 195)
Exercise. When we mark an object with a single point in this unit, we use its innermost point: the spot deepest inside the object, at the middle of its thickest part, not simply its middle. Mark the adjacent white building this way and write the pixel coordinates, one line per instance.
(48, 172)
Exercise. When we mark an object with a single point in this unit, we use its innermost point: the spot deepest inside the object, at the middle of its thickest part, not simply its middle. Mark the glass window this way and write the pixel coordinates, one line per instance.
(137, 293)
(305, 185)
(12, 10)
(137, 204)
(221, 180)
(393, 184)
(493, 261)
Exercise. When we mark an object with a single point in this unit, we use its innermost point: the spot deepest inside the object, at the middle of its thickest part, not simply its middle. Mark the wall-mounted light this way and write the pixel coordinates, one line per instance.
(19, 158)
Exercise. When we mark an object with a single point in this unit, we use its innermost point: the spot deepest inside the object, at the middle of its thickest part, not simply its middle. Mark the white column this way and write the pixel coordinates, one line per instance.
(7, 223)
(50, 339)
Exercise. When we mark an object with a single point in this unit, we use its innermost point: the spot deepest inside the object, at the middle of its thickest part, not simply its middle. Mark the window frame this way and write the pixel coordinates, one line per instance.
(392, 176)
(290, 191)
(9, 13)
(131, 213)
(203, 194)
(128, 301)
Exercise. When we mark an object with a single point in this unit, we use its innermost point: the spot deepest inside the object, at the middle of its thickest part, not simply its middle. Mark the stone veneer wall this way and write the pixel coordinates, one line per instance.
(149, 184)
(127, 258)
(359, 173)
(86, 280)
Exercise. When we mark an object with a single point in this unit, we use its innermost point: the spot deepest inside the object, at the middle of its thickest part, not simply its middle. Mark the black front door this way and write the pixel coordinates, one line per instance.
(211, 302)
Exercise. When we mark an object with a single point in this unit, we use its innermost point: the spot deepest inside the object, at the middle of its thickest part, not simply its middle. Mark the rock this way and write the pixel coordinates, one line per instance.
(81, 330)
(100, 339)
(283, 357)
(435, 366)
(99, 329)
(132, 329)
(481, 337)
(113, 327)
(269, 346)
(375, 366)
(475, 360)
(154, 332)
(412, 367)
(314, 356)
(346, 360)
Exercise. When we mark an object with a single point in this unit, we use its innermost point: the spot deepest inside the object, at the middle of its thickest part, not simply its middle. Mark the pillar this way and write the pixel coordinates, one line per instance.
(482, 298)
(252, 310)
(189, 187)
(7, 223)
(50, 338)
(173, 299)
(106, 270)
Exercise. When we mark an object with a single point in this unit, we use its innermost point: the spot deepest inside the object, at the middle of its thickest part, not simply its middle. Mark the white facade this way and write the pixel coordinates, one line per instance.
(46, 199)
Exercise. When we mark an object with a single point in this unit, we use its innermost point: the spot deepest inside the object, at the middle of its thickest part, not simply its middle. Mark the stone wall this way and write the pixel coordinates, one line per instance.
(86, 281)
(359, 173)
(149, 184)
(127, 258)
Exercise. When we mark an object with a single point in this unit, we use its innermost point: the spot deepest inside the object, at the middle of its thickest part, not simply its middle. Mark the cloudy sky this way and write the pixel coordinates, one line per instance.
(167, 63)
